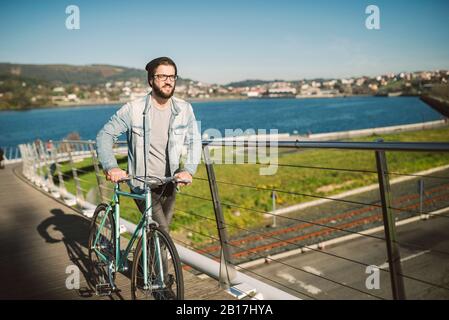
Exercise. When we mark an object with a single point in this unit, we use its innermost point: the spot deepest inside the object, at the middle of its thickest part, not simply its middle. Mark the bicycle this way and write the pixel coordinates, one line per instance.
(156, 267)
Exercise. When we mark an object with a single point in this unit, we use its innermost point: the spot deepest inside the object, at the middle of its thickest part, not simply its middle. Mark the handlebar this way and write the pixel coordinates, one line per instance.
(155, 181)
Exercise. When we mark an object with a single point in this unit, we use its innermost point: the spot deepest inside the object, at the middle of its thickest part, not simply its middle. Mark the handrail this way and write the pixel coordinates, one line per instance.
(374, 146)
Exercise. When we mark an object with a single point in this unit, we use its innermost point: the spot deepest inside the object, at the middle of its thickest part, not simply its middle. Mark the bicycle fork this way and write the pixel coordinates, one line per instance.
(159, 272)
(158, 263)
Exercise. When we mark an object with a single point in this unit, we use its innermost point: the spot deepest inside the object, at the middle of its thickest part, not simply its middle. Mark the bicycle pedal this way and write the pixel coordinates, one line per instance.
(103, 289)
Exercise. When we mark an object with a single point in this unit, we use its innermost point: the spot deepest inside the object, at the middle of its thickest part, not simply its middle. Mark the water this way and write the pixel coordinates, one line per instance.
(286, 115)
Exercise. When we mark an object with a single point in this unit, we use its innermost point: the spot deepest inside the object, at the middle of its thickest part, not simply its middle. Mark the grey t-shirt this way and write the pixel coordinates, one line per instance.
(158, 164)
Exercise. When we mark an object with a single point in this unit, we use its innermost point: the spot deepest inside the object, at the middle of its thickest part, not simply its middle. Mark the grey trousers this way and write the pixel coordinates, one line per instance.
(163, 200)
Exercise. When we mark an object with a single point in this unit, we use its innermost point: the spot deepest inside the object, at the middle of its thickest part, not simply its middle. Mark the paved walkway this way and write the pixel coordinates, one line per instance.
(40, 239)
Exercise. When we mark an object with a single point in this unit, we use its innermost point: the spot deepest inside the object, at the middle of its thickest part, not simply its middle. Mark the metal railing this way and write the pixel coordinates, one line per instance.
(41, 165)
(11, 155)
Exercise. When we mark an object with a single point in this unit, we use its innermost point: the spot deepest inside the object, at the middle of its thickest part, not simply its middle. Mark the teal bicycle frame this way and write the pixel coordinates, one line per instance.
(145, 221)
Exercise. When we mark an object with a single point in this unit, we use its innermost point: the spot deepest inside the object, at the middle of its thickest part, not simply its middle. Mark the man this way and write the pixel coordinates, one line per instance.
(158, 126)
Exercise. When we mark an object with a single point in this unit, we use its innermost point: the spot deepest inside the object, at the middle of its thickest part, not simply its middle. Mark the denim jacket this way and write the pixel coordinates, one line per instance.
(133, 119)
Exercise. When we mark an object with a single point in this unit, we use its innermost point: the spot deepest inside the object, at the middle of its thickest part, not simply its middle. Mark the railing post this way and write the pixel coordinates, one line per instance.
(49, 180)
(273, 201)
(55, 158)
(79, 191)
(97, 169)
(37, 157)
(421, 199)
(31, 159)
(226, 268)
(25, 161)
(394, 258)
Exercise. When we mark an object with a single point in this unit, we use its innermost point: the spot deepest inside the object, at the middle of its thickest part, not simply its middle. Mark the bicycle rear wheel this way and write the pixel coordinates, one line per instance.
(105, 245)
(165, 285)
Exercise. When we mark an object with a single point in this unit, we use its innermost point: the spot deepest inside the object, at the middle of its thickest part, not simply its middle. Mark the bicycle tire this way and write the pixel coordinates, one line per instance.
(98, 273)
(174, 282)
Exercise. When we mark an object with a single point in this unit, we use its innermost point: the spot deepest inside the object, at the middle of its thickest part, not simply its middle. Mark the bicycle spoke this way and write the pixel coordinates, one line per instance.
(101, 250)
(164, 276)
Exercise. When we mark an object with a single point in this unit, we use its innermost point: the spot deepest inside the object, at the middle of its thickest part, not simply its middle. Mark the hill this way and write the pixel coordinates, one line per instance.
(71, 74)
(24, 86)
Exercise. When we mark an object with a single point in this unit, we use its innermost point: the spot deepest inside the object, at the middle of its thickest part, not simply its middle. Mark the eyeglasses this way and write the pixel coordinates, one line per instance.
(164, 77)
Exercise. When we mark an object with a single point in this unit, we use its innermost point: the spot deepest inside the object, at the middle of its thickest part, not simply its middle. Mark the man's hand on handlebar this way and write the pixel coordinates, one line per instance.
(183, 178)
(115, 174)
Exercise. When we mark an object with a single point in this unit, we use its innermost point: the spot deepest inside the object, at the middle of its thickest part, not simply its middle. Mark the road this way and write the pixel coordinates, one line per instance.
(429, 262)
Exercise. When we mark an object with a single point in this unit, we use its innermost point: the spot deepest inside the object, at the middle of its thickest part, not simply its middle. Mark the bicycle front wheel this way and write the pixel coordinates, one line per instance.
(164, 280)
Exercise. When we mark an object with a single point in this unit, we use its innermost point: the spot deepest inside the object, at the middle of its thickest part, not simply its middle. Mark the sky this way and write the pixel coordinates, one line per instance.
(224, 41)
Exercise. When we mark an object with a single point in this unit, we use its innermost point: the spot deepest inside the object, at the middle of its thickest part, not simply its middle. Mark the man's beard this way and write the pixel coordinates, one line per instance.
(157, 90)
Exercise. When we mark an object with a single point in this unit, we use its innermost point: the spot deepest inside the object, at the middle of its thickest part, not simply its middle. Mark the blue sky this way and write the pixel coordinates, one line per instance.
(223, 41)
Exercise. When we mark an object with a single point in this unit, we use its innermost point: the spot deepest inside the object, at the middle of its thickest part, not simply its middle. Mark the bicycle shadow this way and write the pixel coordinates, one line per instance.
(73, 231)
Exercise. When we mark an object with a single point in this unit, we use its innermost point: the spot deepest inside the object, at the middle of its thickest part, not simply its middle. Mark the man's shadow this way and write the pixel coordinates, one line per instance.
(73, 230)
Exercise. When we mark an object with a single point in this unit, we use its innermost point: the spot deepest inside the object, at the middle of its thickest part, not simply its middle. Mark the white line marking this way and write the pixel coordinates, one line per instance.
(291, 279)
(312, 270)
(386, 265)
